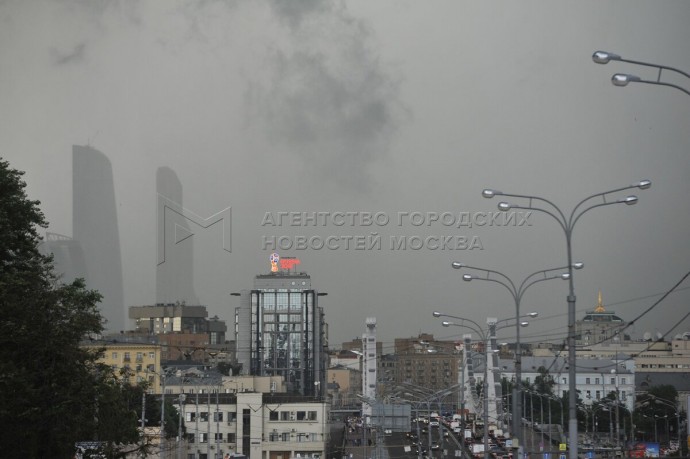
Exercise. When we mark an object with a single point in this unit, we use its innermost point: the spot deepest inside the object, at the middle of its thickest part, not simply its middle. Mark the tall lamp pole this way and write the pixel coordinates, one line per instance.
(516, 292)
(567, 224)
(179, 426)
(484, 337)
(622, 79)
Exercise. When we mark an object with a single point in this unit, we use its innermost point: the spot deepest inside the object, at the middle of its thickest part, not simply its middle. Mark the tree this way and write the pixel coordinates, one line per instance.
(52, 392)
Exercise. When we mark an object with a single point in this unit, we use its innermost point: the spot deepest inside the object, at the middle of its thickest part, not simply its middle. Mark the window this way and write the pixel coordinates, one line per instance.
(203, 416)
(301, 415)
(140, 356)
(230, 438)
(284, 415)
(114, 355)
(232, 416)
(152, 355)
(588, 381)
(273, 436)
(273, 416)
(203, 437)
(218, 416)
(190, 416)
(596, 380)
(613, 381)
(126, 358)
(312, 416)
(285, 436)
(190, 438)
(622, 380)
(598, 395)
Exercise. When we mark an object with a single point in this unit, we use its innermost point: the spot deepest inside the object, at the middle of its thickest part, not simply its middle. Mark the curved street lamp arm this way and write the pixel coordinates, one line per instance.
(581, 213)
(602, 195)
(510, 285)
(526, 283)
(660, 83)
(649, 64)
(562, 222)
(560, 276)
(537, 198)
(478, 330)
(658, 66)
(478, 327)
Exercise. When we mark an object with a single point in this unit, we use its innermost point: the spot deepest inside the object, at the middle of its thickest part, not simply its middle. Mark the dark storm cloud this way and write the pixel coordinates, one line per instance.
(295, 12)
(73, 56)
(327, 98)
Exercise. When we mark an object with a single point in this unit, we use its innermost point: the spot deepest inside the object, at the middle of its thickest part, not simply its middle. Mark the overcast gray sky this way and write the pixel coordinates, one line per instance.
(367, 106)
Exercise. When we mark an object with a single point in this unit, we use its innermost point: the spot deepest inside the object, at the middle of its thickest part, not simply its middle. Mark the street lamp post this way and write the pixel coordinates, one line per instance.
(622, 79)
(483, 334)
(516, 292)
(669, 404)
(485, 386)
(179, 426)
(567, 224)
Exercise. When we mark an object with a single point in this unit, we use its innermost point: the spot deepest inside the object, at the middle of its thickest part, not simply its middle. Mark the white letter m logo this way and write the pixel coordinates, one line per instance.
(166, 206)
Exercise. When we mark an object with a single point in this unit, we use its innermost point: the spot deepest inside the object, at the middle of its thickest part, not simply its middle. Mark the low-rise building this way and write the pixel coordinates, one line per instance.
(246, 416)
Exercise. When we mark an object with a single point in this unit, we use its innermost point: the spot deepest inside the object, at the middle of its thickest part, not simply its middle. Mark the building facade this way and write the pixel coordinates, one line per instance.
(244, 416)
(280, 331)
(600, 326)
(133, 362)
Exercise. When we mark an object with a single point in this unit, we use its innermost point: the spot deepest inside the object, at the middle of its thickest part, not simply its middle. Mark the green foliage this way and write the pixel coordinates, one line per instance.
(544, 382)
(52, 392)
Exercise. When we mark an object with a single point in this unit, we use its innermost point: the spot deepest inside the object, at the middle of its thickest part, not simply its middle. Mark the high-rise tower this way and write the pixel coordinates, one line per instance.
(94, 227)
(175, 276)
(280, 330)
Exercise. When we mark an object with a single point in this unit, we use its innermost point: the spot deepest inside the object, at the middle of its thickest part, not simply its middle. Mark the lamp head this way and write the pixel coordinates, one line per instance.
(533, 314)
(467, 277)
(437, 314)
(489, 193)
(622, 79)
(504, 206)
(445, 323)
(630, 200)
(643, 184)
(603, 57)
(457, 265)
(565, 276)
(578, 265)
(524, 324)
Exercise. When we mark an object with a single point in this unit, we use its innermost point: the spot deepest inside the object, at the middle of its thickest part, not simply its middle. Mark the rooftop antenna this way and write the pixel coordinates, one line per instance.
(88, 141)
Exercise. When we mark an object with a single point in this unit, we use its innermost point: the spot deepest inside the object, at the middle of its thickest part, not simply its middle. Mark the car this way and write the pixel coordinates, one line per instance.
(433, 423)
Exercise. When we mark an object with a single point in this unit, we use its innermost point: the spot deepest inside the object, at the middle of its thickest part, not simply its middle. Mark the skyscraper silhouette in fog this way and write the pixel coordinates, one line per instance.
(94, 227)
(175, 276)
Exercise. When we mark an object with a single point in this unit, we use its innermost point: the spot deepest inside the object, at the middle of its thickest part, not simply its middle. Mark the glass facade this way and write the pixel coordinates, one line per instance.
(285, 330)
(281, 321)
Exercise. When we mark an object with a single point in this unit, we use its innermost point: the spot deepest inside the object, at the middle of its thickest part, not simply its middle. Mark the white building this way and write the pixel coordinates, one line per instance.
(596, 378)
(244, 416)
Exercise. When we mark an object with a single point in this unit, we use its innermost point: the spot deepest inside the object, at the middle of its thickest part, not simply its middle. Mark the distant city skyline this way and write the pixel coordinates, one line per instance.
(358, 136)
